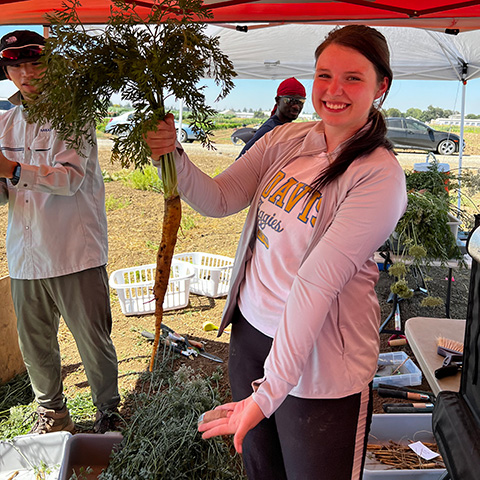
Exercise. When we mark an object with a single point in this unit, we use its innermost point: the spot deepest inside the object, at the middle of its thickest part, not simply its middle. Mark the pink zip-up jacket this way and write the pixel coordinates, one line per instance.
(327, 342)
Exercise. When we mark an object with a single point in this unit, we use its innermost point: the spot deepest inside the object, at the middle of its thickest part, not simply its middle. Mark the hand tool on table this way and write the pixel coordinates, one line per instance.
(453, 358)
(389, 393)
(408, 407)
(384, 387)
(181, 344)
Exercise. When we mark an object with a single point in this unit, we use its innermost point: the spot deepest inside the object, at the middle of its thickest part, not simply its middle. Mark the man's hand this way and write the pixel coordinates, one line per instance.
(162, 141)
(6, 167)
(241, 418)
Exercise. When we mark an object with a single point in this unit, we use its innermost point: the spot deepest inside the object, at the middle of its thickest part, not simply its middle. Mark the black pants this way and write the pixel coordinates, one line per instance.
(305, 439)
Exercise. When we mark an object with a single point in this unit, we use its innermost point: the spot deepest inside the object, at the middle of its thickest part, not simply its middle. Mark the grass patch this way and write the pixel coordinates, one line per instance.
(145, 179)
(18, 407)
(187, 222)
(114, 203)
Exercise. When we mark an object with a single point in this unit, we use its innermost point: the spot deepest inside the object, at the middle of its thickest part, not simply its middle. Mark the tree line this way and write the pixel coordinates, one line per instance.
(431, 113)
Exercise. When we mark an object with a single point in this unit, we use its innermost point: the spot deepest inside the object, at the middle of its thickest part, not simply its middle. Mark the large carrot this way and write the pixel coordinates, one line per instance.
(171, 222)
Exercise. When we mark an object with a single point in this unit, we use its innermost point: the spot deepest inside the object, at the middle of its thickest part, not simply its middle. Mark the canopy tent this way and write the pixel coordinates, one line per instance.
(282, 51)
(434, 14)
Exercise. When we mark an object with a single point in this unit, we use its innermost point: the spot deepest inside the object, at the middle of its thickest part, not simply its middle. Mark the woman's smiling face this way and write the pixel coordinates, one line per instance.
(345, 87)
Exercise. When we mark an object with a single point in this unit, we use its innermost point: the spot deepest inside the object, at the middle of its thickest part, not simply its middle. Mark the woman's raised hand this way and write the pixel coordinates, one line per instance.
(162, 140)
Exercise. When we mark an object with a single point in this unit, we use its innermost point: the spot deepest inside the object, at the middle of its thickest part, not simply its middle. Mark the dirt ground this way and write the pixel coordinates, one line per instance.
(134, 219)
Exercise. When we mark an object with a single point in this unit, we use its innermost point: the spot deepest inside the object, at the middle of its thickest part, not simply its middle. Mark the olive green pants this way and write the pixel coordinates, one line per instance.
(82, 299)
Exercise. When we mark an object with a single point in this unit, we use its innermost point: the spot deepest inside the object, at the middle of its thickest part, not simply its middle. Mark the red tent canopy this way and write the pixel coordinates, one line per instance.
(435, 14)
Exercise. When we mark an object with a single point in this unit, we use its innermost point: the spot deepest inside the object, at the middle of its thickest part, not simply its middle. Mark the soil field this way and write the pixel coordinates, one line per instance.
(134, 220)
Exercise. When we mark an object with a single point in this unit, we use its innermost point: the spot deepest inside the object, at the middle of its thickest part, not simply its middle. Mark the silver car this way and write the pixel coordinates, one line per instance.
(186, 134)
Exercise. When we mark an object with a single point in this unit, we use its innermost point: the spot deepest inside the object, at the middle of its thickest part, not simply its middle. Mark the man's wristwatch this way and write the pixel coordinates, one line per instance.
(16, 174)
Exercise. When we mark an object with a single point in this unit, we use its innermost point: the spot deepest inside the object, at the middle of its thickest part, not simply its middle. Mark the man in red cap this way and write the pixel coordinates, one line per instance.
(56, 246)
(291, 96)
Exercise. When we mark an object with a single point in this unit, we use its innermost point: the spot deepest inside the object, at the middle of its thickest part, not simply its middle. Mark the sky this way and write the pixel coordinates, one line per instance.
(259, 94)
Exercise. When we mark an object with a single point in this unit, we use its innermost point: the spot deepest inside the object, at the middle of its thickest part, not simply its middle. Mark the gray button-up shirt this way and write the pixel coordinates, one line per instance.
(57, 222)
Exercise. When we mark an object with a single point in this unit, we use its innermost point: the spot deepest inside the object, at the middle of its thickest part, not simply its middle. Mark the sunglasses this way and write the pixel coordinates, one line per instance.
(293, 101)
(22, 53)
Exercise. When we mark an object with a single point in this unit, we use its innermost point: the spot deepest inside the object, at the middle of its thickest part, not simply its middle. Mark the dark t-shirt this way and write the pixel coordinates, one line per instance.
(270, 124)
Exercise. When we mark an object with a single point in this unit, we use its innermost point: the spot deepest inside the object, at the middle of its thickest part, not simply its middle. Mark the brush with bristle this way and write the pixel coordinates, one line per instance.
(453, 353)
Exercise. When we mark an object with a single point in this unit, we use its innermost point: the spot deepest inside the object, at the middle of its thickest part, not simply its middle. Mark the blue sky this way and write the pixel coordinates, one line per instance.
(259, 94)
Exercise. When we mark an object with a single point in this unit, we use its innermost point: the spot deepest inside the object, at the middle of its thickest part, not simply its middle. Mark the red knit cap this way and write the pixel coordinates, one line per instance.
(290, 86)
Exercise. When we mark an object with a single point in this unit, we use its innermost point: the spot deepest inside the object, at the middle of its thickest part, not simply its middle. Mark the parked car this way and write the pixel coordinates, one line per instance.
(243, 135)
(411, 133)
(186, 135)
(5, 105)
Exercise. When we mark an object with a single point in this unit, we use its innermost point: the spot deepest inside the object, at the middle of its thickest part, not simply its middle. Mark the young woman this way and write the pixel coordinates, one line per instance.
(323, 197)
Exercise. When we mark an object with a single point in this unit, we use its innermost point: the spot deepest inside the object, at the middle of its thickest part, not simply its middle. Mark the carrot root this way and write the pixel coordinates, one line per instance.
(171, 223)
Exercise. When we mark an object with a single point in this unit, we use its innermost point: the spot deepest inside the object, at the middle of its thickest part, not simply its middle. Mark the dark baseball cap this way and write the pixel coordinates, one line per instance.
(18, 47)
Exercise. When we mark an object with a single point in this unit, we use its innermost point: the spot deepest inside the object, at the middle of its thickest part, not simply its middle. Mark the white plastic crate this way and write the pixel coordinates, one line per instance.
(24, 453)
(409, 374)
(134, 287)
(212, 273)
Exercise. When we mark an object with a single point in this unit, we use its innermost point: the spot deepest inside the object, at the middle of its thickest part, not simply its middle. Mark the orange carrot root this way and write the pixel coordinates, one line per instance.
(171, 223)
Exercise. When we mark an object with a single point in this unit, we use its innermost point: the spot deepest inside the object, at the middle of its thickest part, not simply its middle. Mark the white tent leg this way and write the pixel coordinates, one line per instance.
(180, 118)
(460, 154)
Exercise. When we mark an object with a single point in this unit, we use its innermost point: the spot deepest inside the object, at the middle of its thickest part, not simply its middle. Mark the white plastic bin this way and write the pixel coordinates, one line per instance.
(212, 273)
(27, 452)
(134, 287)
(409, 374)
(400, 428)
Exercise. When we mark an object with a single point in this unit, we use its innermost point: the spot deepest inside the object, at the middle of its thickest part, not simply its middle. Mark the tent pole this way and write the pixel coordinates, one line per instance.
(180, 119)
(460, 154)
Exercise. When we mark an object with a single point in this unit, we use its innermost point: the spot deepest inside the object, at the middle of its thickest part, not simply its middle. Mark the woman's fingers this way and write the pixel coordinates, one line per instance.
(162, 140)
(236, 418)
(222, 426)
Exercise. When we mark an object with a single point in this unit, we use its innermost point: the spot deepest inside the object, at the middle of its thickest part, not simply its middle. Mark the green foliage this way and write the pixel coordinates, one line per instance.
(431, 113)
(415, 113)
(188, 222)
(101, 124)
(145, 179)
(424, 224)
(19, 421)
(113, 177)
(17, 415)
(259, 114)
(144, 57)
(162, 440)
(456, 129)
(18, 391)
(113, 203)
(432, 180)
(423, 233)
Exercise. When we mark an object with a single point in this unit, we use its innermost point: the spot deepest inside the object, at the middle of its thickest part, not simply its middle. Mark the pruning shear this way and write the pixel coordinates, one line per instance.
(181, 344)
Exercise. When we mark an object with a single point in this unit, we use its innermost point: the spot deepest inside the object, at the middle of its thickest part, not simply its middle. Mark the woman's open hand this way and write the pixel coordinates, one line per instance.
(162, 140)
(241, 418)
